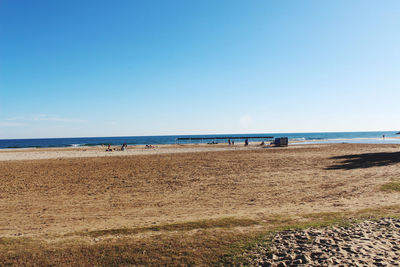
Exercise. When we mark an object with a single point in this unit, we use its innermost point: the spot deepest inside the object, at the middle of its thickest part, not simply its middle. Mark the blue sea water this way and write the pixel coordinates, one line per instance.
(305, 138)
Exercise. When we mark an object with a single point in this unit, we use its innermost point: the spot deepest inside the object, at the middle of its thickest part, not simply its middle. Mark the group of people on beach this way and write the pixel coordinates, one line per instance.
(123, 147)
(246, 142)
(232, 143)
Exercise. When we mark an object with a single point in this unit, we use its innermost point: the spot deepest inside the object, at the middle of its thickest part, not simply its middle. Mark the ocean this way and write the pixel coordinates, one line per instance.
(304, 138)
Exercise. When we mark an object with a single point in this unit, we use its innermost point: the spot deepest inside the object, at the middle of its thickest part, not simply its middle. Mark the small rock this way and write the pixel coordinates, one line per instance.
(298, 261)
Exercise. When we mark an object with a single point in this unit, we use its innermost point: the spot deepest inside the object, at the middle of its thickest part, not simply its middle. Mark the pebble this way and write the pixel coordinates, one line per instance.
(368, 243)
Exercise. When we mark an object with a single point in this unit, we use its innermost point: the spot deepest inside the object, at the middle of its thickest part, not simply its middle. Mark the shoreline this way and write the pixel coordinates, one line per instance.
(94, 152)
(294, 141)
(140, 150)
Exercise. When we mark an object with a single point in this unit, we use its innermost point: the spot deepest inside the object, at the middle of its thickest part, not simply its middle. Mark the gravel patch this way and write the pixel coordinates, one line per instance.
(370, 243)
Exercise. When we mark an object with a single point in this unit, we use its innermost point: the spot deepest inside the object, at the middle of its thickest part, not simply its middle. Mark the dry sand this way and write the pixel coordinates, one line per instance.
(67, 194)
(47, 193)
(90, 152)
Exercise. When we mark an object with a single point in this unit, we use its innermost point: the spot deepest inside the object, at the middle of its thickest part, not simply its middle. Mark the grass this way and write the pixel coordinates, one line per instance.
(185, 226)
(392, 186)
(215, 242)
(182, 248)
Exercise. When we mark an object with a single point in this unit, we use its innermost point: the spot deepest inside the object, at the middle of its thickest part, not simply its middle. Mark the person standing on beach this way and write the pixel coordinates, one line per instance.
(124, 146)
(229, 141)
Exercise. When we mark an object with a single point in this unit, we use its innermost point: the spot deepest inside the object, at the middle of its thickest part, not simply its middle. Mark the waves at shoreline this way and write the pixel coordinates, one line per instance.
(350, 140)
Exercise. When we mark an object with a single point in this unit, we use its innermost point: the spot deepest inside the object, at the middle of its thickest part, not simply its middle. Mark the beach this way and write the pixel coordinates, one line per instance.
(75, 196)
(101, 151)
(208, 133)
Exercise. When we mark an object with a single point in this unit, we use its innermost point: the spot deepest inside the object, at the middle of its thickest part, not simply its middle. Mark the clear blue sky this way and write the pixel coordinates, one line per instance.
(112, 68)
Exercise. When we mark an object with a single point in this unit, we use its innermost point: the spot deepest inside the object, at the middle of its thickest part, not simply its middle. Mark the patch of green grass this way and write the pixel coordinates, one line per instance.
(377, 213)
(235, 254)
(392, 186)
(185, 226)
(201, 248)
(277, 220)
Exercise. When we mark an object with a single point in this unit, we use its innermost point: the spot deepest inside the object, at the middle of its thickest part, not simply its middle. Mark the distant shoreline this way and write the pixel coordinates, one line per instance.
(391, 140)
(137, 150)
(294, 138)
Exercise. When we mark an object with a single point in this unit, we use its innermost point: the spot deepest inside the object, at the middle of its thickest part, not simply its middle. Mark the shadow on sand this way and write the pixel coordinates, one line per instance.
(357, 161)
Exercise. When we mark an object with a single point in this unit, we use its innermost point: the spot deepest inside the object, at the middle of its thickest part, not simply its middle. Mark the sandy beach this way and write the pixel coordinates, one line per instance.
(207, 133)
(100, 151)
(54, 195)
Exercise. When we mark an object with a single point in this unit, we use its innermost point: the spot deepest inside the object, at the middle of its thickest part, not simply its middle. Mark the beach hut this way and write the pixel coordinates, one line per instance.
(281, 141)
